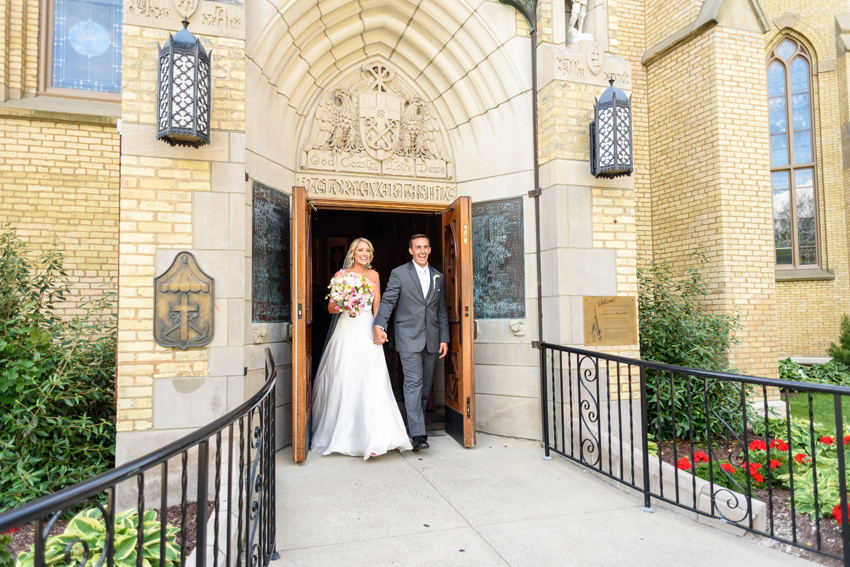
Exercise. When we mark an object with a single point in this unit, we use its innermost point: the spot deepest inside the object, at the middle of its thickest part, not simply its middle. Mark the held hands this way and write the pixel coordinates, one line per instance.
(444, 349)
(379, 335)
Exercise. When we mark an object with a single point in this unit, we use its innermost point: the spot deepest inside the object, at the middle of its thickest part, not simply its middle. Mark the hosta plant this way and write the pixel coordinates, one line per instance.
(88, 526)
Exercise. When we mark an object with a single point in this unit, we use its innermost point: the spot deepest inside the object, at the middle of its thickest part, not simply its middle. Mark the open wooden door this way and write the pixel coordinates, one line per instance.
(302, 319)
(460, 367)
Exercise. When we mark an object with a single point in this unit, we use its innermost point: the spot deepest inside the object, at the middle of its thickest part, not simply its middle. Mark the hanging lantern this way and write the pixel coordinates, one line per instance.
(183, 91)
(611, 135)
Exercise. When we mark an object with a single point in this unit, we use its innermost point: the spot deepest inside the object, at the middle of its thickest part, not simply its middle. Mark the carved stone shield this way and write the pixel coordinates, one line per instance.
(594, 58)
(184, 300)
(380, 122)
(186, 7)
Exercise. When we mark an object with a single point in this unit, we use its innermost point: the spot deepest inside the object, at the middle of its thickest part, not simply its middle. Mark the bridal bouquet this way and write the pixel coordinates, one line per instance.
(351, 293)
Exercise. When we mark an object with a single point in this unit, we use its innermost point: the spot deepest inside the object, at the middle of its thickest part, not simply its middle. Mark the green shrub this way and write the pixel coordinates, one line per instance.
(88, 526)
(832, 372)
(841, 353)
(57, 379)
(5, 557)
(676, 328)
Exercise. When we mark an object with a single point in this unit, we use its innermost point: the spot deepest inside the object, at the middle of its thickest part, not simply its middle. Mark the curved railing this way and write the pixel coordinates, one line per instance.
(227, 532)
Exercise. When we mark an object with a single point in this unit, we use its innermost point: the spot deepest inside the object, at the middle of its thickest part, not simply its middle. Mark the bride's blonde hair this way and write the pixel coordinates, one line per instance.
(349, 258)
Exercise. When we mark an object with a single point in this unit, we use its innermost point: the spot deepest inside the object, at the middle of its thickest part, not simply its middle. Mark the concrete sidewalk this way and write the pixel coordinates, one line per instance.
(496, 504)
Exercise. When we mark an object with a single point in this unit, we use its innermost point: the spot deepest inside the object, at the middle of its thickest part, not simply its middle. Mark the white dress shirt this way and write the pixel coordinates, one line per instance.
(424, 277)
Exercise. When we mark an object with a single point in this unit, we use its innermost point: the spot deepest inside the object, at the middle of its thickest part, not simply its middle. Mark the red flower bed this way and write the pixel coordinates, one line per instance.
(836, 512)
(781, 445)
(758, 445)
(728, 468)
(802, 458)
(700, 457)
(827, 440)
(683, 464)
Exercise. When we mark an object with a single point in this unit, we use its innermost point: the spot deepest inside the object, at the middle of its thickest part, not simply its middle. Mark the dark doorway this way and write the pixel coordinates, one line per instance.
(333, 232)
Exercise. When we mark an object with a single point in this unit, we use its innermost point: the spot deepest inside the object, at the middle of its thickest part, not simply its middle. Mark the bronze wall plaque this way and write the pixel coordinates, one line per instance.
(610, 321)
(498, 259)
(271, 300)
(184, 305)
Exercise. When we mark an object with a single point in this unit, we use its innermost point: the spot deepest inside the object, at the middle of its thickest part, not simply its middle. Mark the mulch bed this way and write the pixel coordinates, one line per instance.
(25, 536)
(806, 527)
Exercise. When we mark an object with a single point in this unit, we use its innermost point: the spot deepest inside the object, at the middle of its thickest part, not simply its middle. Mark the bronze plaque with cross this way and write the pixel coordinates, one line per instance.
(184, 305)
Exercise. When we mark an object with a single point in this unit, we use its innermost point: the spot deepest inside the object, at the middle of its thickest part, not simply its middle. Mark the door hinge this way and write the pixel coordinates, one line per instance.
(299, 311)
(468, 411)
(466, 311)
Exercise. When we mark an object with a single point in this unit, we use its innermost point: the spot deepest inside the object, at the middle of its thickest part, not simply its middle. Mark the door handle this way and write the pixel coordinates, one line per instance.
(299, 311)
(466, 311)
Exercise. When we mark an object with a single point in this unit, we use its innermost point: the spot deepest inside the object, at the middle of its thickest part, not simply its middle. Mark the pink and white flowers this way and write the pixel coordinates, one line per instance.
(352, 293)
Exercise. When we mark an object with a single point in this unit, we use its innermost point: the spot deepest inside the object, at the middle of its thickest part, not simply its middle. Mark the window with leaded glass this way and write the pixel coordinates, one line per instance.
(86, 45)
(792, 155)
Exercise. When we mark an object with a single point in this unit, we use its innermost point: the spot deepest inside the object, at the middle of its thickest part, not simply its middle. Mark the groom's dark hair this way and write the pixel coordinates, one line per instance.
(417, 237)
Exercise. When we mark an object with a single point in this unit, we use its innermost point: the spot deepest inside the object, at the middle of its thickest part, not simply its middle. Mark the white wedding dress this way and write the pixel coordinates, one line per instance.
(354, 409)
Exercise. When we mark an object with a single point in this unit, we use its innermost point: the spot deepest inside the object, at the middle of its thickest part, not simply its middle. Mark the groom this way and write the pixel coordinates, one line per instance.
(421, 329)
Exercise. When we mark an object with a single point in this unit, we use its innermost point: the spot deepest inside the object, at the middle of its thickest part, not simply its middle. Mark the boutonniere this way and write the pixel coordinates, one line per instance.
(435, 280)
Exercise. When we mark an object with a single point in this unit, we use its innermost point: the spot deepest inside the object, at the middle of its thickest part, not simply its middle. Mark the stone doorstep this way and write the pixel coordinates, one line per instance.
(726, 502)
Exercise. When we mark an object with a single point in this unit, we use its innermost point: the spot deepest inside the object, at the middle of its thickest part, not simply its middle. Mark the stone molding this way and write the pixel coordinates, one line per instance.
(842, 33)
(584, 62)
(209, 18)
(805, 274)
(376, 188)
(712, 13)
(577, 172)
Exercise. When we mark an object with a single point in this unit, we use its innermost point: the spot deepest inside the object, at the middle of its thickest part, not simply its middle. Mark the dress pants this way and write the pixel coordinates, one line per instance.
(418, 378)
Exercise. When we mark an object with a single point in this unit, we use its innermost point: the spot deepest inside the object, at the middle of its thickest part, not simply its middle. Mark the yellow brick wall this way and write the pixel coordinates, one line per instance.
(665, 17)
(19, 20)
(809, 312)
(59, 182)
(156, 214)
(710, 180)
(564, 111)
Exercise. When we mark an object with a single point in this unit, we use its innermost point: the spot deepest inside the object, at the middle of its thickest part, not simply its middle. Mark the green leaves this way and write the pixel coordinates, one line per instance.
(676, 328)
(88, 526)
(57, 378)
(841, 353)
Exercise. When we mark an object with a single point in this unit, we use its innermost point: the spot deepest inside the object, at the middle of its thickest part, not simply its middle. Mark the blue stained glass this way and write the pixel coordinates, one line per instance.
(800, 114)
(786, 49)
(779, 150)
(803, 146)
(799, 76)
(776, 79)
(87, 45)
(778, 117)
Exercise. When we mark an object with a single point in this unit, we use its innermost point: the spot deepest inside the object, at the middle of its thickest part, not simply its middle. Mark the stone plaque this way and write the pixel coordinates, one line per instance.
(184, 299)
(498, 259)
(377, 189)
(271, 301)
(610, 321)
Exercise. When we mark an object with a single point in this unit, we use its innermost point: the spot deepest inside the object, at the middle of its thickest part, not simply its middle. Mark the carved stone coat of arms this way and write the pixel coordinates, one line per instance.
(375, 126)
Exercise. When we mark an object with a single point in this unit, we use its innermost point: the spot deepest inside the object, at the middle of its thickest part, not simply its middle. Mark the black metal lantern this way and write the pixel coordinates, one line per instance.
(183, 91)
(611, 135)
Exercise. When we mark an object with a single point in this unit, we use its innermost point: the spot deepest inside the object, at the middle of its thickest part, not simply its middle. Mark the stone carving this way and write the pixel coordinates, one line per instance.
(219, 17)
(377, 189)
(186, 7)
(184, 299)
(594, 58)
(578, 12)
(518, 328)
(374, 126)
(147, 9)
(583, 63)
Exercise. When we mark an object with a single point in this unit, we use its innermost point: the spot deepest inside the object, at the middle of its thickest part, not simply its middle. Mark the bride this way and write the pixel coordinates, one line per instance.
(354, 410)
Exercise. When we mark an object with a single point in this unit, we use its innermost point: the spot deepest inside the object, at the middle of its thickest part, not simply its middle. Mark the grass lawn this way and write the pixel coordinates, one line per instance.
(823, 408)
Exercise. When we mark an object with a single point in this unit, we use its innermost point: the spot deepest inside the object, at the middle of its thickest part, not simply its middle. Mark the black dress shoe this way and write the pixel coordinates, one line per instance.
(419, 443)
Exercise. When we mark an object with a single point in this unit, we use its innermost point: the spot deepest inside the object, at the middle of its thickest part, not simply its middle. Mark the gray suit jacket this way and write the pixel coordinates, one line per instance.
(420, 322)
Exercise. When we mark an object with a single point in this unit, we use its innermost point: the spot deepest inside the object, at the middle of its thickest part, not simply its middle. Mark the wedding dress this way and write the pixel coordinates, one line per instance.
(354, 409)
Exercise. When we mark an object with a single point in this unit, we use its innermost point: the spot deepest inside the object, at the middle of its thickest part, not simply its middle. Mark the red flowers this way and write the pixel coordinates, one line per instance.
(836, 512)
(774, 464)
(700, 457)
(754, 467)
(802, 458)
(758, 445)
(11, 531)
(683, 464)
(847, 439)
(827, 440)
(783, 446)
(728, 467)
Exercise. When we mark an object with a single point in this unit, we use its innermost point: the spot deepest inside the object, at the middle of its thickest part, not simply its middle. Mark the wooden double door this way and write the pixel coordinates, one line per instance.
(455, 232)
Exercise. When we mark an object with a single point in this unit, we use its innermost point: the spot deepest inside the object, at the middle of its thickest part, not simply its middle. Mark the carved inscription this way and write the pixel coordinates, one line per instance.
(148, 9)
(377, 189)
(569, 67)
(270, 261)
(498, 259)
(219, 17)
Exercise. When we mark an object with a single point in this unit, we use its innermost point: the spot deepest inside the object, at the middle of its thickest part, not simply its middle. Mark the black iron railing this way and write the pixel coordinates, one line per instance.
(763, 455)
(233, 485)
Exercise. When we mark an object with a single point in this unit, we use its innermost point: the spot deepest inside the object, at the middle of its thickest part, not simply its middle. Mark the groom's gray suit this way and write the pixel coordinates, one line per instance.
(421, 324)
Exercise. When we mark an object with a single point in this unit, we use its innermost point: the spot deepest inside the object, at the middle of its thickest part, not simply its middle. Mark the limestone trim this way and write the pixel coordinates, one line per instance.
(842, 33)
(808, 35)
(54, 116)
(802, 275)
(712, 13)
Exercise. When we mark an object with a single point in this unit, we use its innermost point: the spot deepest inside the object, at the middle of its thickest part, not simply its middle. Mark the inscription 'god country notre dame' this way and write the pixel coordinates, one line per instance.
(377, 189)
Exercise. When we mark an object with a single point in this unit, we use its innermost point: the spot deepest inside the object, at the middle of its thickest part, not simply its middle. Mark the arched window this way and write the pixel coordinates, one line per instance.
(792, 155)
